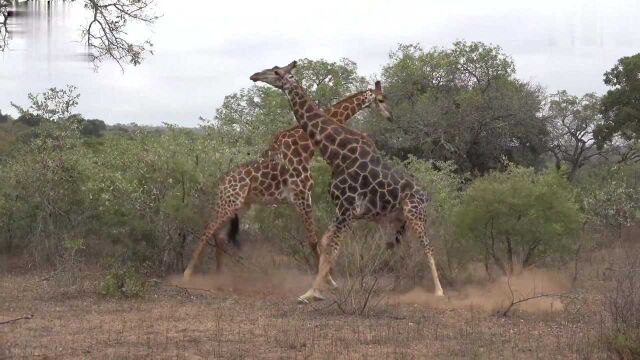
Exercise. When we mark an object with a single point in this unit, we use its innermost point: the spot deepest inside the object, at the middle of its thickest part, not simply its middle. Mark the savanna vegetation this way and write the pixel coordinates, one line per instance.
(519, 179)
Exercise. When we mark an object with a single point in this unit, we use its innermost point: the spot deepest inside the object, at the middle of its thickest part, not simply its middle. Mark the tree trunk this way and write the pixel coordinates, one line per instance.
(509, 254)
(495, 256)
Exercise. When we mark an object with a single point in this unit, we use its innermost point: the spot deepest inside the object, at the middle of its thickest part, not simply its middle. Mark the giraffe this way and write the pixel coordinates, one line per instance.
(363, 185)
(282, 174)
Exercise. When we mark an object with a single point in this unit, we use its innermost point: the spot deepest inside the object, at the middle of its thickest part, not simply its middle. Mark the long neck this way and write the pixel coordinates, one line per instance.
(306, 112)
(315, 123)
(346, 108)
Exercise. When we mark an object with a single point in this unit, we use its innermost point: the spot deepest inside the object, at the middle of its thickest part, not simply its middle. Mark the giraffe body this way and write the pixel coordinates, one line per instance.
(363, 185)
(282, 175)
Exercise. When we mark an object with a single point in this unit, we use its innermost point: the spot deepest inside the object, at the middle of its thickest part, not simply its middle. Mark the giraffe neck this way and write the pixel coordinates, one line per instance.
(311, 119)
(306, 112)
(346, 108)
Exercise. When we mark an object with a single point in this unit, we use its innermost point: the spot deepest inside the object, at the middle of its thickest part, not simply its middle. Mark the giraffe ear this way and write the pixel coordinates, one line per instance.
(292, 65)
(378, 86)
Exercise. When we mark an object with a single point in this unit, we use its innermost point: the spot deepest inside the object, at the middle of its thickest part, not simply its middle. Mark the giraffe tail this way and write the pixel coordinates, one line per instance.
(234, 229)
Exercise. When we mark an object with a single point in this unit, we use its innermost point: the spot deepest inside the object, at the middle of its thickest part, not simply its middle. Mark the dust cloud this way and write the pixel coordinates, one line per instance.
(496, 295)
(276, 282)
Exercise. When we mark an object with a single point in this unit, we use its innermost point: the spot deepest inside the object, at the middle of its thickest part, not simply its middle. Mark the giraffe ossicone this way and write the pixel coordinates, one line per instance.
(363, 185)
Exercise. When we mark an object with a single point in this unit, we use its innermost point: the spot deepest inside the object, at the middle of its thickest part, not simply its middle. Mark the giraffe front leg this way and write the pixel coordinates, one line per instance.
(329, 248)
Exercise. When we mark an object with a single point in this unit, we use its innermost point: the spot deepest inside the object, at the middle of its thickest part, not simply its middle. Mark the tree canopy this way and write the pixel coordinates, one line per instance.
(621, 105)
(572, 120)
(261, 111)
(462, 104)
(105, 31)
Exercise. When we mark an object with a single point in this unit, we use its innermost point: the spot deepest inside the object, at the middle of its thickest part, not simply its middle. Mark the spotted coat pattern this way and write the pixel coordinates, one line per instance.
(281, 175)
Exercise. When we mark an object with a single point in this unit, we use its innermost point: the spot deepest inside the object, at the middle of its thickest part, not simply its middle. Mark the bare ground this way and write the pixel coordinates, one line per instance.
(253, 315)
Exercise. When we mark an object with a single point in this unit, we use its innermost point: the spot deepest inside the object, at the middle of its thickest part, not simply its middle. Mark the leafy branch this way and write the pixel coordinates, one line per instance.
(106, 35)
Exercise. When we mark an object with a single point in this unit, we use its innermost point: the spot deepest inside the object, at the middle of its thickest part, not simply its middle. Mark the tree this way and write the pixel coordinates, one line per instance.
(93, 127)
(461, 104)
(30, 119)
(327, 82)
(106, 30)
(571, 122)
(51, 105)
(261, 111)
(4, 118)
(610, 195)
(4, 19)
(518, 216)
(621, 105)
(106, 33)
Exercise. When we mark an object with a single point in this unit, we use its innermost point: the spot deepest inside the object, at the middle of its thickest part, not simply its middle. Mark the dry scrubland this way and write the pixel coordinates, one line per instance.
(248, 312)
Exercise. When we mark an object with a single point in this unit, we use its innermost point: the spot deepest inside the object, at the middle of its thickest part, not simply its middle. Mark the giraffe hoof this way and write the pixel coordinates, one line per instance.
(187, 274)
(439, 293)
(309, 297)
(332, 283)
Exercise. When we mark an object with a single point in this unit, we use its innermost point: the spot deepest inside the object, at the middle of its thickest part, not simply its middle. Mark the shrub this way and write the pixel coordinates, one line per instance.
(610, 196)
(518, 216)
(122, 281)
(364, 265)
(622, 305)
(441, 182)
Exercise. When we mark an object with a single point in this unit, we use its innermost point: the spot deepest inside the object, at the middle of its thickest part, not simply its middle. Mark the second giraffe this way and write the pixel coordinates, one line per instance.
(282, 174)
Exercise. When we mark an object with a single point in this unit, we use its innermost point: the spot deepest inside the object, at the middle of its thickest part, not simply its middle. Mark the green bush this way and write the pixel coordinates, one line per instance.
(624, 344)
(122, 281)
(518, 217)
(439, 179)
(610, 195)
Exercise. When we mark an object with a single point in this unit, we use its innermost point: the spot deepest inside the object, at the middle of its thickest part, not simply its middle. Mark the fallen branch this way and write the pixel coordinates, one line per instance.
(627, 270)
(190, 288)
(515, 302)
(26, 317)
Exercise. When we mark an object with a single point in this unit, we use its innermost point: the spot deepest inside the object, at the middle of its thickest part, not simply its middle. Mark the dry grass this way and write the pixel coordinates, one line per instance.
(233, 322)
(250, 312)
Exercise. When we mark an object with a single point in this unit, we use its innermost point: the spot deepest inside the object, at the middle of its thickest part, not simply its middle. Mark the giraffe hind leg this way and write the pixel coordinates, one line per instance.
(223, 215)
(416, 216)
(210, 230)
(302, 204)
(400, 231)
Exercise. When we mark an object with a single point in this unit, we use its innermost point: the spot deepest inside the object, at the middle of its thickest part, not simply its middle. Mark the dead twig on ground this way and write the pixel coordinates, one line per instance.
(26, 317)
(515, 302)
(186, 288)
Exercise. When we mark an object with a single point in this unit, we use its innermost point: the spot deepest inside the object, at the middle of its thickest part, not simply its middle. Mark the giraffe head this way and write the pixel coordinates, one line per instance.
(278, 77)
(283, 78)
(376, 99)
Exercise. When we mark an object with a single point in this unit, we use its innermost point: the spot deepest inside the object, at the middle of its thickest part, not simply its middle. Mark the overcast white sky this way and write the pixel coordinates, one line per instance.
(208, 49)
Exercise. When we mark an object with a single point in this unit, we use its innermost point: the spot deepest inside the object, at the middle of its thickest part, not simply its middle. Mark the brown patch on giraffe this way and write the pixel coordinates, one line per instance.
(352, 150)
(330, 138)
(305, 147)
(333, 155)
(314, 116)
